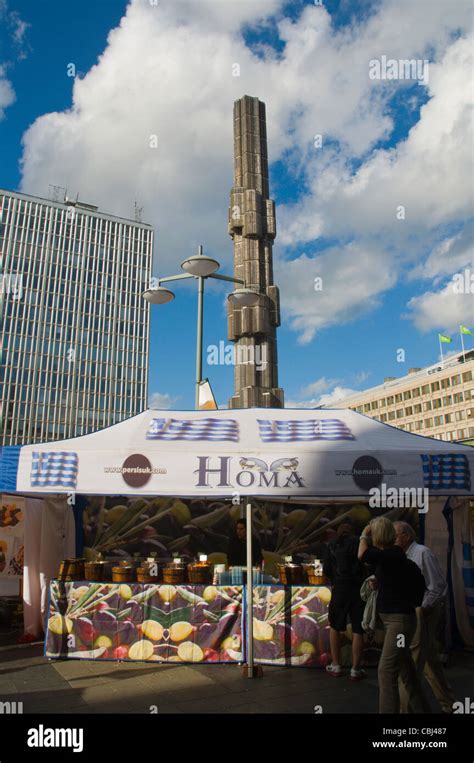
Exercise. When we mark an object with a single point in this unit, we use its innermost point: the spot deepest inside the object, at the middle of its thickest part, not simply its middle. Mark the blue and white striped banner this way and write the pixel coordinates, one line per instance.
(448, 472)
(303, 430)
(54, 468)
(213, 430)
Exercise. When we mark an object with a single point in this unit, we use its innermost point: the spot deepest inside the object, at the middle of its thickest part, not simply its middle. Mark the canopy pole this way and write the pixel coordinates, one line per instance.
(251, 670)
(248, 523)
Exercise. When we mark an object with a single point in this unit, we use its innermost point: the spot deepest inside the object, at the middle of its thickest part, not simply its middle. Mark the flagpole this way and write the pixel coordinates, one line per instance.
(441, 350)
(462, 345)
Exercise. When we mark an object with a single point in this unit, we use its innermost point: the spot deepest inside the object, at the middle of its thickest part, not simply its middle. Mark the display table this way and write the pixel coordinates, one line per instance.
(188, 623)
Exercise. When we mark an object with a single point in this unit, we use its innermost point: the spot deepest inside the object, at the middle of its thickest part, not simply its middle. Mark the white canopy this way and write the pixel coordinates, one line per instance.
(267, 452)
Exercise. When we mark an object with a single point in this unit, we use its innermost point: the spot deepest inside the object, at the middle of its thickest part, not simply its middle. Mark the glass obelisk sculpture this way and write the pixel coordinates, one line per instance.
(252, 228)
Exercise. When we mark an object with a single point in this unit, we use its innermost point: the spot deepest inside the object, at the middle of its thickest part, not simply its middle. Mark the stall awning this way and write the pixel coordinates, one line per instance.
(266, 452)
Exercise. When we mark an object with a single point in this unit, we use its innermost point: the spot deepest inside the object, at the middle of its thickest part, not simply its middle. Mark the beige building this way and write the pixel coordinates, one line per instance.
(437, 401)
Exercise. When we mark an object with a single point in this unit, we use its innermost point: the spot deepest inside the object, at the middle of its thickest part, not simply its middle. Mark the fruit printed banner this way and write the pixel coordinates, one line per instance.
(160, 623)
(12, 524)
(290, 625)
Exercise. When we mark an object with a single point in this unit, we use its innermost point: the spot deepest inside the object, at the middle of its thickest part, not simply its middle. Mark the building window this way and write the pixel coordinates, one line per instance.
(444, 383)
(428, 423)
(438, 420)
(448, 418)
(407, 395)
(448, 400)
(425, 389)
(467, 376)
(437, 403)
(409, 411)
(417, 408)
(435, 386)
(416, 392)
(427, 405)
(398, 398)
(456, 380)
(400, 413)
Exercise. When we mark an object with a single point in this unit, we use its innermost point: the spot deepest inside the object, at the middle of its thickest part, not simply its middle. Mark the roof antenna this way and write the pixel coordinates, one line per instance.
(138, 212)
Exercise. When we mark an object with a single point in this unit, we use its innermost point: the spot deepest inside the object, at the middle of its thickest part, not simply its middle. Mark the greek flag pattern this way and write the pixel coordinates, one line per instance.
(304, 430)
(54, 468)
(446, 472)
(210, 430)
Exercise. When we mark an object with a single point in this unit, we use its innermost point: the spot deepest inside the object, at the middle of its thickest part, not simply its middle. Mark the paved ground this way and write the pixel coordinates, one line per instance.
(74, 686)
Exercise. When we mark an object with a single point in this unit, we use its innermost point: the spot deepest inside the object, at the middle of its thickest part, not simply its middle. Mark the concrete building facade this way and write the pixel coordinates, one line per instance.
(437, 401)
(253, 229)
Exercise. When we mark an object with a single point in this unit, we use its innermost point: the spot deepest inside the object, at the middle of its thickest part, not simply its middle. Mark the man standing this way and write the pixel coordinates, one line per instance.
(346, 574)
(423, 646)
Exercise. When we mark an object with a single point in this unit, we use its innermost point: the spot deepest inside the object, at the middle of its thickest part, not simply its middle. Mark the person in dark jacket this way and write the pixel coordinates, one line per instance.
(237, 548)
(399, 582)
(346, 574)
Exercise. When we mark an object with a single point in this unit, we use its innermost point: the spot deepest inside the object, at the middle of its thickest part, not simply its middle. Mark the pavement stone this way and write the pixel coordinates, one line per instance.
(75, 686)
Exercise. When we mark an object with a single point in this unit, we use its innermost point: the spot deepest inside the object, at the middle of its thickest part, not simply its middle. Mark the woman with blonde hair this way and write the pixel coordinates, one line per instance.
(400, 584)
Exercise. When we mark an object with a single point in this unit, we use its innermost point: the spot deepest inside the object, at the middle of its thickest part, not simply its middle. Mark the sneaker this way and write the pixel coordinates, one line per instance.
(334, 670)
(357, 675)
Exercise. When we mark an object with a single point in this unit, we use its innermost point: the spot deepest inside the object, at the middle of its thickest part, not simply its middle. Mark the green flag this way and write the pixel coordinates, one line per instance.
(444, 338)
(465, 330)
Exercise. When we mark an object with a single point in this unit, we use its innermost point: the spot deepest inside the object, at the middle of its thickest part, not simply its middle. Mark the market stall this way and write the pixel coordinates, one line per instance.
(240, 456)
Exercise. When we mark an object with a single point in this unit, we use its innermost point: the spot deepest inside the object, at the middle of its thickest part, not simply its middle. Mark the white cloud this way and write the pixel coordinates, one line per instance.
(167, 71)
(328, 398)
(352, 282)
(445, 309)
(7, 94)
(15, 31)
(162, 401)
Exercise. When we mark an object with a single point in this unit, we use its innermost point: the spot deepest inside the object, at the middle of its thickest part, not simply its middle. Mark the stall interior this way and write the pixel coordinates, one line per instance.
(162, 579)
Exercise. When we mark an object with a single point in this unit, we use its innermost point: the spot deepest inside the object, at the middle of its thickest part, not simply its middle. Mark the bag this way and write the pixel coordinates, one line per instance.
(415, 583)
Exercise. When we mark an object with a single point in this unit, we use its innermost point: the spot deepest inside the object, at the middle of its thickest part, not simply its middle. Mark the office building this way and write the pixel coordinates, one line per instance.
(437, 401)
(74, 326)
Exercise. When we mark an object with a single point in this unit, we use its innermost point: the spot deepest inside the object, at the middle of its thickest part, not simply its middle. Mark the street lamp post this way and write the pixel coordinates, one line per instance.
(200, 267)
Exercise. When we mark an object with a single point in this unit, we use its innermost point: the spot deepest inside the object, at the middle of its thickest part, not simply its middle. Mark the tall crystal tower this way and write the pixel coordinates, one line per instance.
(253, 229)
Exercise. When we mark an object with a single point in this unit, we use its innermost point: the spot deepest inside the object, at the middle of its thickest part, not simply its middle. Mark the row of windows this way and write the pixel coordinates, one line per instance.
(427, 405)
(436, 421)
(455, 434)
(416, 392)
(22, 212)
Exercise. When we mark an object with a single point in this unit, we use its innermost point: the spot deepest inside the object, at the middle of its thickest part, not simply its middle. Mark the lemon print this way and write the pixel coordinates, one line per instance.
(189, 652)
(59, 624)
(262, 631)
(152, 629)
(167, 592)
(141, 650)
(324, 595)
(180, 631)
(209, 594)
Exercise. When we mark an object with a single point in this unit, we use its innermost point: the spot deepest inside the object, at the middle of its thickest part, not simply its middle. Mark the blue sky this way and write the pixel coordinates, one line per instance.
(166, 70)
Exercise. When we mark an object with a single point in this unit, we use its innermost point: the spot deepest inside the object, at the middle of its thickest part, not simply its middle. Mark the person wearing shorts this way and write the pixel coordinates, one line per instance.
(346, 574)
